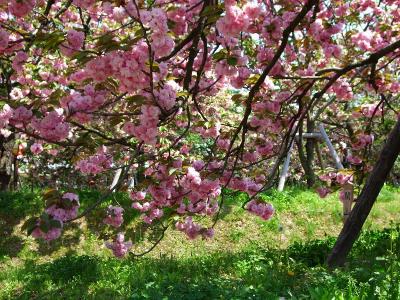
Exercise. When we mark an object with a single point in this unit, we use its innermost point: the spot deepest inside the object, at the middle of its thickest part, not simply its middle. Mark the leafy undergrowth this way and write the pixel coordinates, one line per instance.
(248, 258)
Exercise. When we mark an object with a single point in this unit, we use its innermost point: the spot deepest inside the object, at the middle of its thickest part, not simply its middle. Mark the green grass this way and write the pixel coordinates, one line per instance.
(248, 258)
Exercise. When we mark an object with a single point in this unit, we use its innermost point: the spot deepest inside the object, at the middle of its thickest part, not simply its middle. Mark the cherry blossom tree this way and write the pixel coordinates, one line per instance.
(193, 98)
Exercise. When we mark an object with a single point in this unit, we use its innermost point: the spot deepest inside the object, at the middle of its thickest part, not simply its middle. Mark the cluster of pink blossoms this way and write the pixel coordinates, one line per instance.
(265, 125)
(246, 185)
(147, 130)
(343, 179)
(49, 226)
(363, 40)
(65, 209)
(119, 247)
(261, 209)
(4, 39)
(161, 194)
(340, 178)
(271, 106)
(51, 234)
(166, 96)
(355, 160)
(193, 230)
(73, 43)
(52, 127)
(95, 164)
(202, 194)
(126, 66)
(211, 132)
(21, 116)
(36, 148)
(179, 17)
(324, 35)
(150, 209)
(19, 60)
(21, 8)
(5, 116)
(234, 21)
(362, 141)
(323, 191)
(369, 110)
(17, 117)
(87, 102)
(114, 216)
(161, 43)
(343, 90)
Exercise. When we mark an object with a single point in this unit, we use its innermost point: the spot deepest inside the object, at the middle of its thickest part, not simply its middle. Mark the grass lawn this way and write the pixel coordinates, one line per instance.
(248, 258)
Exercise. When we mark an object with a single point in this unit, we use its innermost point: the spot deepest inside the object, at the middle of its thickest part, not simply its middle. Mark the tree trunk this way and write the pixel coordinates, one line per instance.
(5, 159)
(365, 201)
(299, 143)
(307, 157)
(310, 175)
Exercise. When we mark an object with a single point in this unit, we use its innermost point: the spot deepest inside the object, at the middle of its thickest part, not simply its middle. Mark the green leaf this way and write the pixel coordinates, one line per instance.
(66, 203)
(232, 60)
(136, 99)
(49, 41)
(104, 40)
(252, 79)
(114, 121)
(212, 10)
(55, 97)
(182, 94)
(51, 201)
(45, 217)
(155, 66)
(44, 227)
(55, 224)
(171, 24)
(83, 56)
(236, 98)
(172, 171)
(51, 194)
(29, 225)
(220, 55)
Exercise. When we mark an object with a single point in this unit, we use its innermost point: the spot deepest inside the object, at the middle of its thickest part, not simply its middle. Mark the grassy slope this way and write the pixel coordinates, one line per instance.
(248, 259)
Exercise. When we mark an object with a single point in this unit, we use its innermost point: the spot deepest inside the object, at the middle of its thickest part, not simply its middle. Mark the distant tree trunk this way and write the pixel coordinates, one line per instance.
(310, 145)
(4, 180)
(5, 156)
(307, 157)
(367, 198)
(319, 155)
(15, 173)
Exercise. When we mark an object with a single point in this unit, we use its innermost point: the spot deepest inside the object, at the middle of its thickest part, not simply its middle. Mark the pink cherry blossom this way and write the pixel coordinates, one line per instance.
(21, 8)
(114, 216)
(4, 38)
(119, 247)
(323, 192)
(261, 209)
(36, 148)
(65, 209)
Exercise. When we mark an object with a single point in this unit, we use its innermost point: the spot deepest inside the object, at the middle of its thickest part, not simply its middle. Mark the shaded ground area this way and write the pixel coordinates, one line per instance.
(373, 271)
(248, 259)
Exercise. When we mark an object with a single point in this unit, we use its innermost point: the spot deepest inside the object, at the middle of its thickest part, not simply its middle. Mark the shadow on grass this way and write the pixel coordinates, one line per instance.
(296, 272)
(13, 208)
(16, 206)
